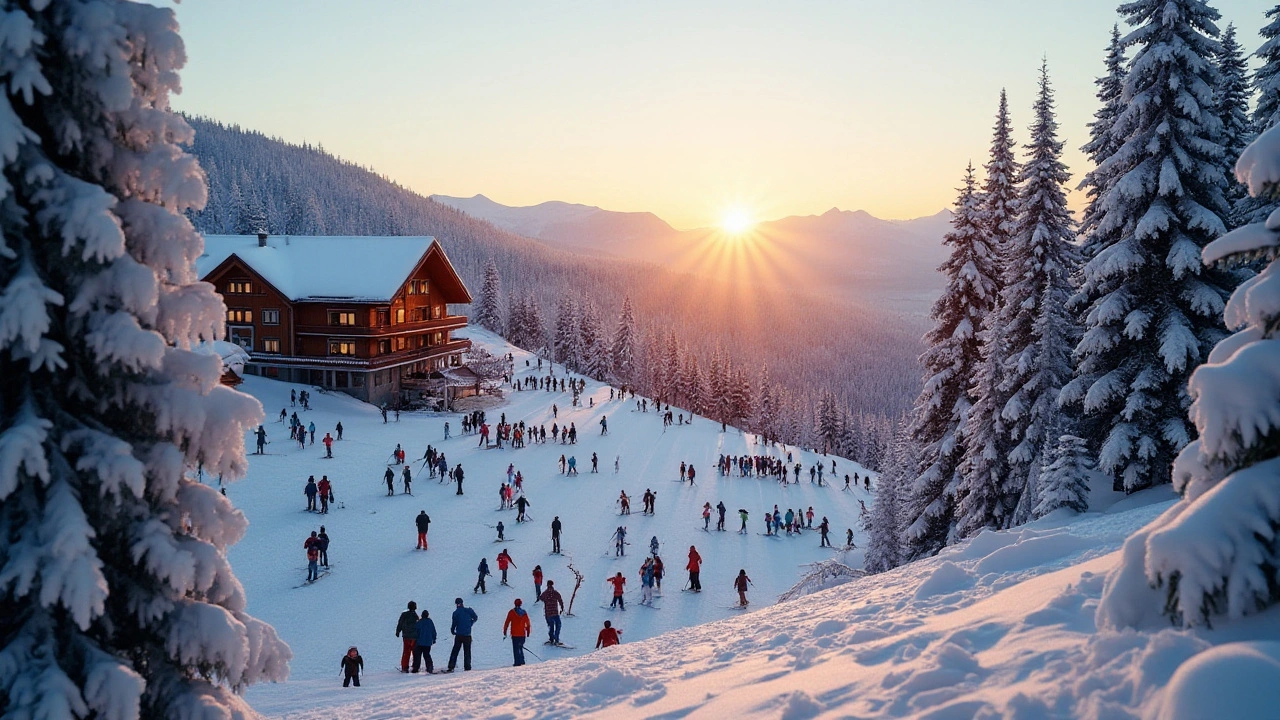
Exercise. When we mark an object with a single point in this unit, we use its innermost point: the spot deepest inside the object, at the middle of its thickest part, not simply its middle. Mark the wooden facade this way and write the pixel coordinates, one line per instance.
(361, 346)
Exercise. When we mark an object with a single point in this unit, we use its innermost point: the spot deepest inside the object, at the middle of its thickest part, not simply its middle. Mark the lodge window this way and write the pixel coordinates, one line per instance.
(419, 314)
(342, 347)
(357, 380)
(239, 287)
(342, 317)
(239, 315)
(400, 343)
(384, 316)
(271, 345)
(437, 312)
(384, 347)
(422, 341)
(422, 287)
(270, 317)
(437, 338)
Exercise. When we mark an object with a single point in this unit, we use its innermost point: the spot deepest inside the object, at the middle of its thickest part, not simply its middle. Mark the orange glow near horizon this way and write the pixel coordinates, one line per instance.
(736, 221)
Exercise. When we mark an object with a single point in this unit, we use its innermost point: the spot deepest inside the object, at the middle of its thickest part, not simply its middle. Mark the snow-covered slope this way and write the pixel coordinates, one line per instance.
(376, 570)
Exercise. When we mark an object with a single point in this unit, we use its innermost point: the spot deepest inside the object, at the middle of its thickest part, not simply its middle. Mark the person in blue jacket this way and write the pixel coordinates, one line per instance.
(426, 638)
(460, 628)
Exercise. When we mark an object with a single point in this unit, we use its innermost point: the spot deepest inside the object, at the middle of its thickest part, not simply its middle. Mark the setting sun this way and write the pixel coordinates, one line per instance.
(736, 221)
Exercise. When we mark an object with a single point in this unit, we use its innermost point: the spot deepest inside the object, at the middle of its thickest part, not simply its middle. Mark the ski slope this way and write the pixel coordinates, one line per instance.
(375, 568)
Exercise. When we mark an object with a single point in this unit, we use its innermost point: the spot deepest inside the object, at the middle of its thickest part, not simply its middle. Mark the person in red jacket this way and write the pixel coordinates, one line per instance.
(618, 582)
(325, 487)
(518, 623)
(740, 584)
(505, 561)
(694, 566)
(537, 583)
(328, 445)
(608, 637)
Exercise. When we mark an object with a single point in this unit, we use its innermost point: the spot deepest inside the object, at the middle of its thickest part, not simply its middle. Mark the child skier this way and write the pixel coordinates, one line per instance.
(352, 665)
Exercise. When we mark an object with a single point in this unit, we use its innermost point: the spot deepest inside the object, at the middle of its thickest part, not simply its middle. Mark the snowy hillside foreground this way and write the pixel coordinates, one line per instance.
(375, 569)
(1002, 626)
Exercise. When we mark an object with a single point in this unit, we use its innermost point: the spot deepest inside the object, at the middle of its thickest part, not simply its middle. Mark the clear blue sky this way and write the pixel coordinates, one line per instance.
(679, 108)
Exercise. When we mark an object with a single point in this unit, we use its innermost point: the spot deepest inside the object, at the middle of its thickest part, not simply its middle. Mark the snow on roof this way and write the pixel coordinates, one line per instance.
(370, 269)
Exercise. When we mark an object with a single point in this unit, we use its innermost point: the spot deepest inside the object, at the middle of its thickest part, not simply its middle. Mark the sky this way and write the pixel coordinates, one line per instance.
(685, 109)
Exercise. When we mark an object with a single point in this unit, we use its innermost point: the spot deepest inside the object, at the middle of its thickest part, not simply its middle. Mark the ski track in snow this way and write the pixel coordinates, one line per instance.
(376, 569)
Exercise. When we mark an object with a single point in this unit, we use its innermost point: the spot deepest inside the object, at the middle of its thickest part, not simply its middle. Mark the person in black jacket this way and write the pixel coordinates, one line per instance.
(457, 477)
(407, 630)
(555, 535)
(423, 522)
(352, 665)
(483, 570)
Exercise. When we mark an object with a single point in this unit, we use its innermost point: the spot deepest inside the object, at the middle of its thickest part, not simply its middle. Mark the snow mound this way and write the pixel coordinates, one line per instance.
(1235, 680)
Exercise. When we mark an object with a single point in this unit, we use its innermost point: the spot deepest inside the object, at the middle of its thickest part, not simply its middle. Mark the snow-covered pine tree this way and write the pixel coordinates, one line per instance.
(1064, 480)
(1266, 79)
(1153, 310)
(695, 389)
(516, 320)
(623, 350)
(886, 548)
(594, 351)
(654, 371)
(1214, 553)
(986, 444)
(565, 344)
(716, 385)
(766, 418)
(111, 605)
(488, 313)
(670, 386)
(949, 364)
(534, 332)
(1232, 95)
(742, 403)
(1102, 144)
(1037, 333)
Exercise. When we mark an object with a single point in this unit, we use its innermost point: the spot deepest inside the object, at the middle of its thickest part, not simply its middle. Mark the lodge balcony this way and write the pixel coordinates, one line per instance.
(345, 362)
(448, 322)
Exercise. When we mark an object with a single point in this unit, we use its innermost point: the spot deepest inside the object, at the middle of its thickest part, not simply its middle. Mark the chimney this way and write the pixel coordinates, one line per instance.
(262, 239)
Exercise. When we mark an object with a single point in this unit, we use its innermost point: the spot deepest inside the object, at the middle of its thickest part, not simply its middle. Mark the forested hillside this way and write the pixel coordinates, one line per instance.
(865, 358)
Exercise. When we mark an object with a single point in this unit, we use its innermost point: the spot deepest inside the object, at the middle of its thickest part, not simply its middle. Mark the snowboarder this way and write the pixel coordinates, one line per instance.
(352, 665)
(311, 490)
(505, 561)
(608, 637)
(518, 623)
(407, 479)
(694, 566)
(328, 444)
(423, 521)
(618, 582)
(460, 627)
(422, 646)
(555, 536)
(262, 447)
(552, 605)
(407, 631)
(390, 478)
(740, 584)
(483, 570)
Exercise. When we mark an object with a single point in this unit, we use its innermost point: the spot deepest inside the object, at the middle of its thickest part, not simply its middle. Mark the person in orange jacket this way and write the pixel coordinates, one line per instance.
(518, 623)
(608, 637)
(695, 565)
(505, 561)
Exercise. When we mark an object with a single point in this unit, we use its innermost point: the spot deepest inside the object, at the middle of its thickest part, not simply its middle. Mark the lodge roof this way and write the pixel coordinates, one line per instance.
(314, 268)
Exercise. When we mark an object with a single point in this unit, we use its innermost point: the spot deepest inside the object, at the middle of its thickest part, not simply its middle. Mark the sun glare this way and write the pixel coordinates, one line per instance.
(736, 221)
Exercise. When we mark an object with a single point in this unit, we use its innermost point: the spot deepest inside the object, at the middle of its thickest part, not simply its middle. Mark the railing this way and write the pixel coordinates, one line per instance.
(346, 362)
(448, 322)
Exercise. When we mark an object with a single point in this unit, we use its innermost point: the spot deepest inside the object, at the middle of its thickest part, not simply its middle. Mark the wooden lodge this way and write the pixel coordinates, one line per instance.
(361, 315)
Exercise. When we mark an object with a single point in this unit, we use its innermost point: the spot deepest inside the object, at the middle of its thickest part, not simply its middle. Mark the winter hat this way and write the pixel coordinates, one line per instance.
(457, 601)
(550, 584)
(519, 602)
(413, 605)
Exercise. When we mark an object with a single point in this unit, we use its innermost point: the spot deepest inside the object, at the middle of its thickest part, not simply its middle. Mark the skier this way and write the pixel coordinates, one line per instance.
(618, 582)
(328, 444)
(824, 528)
(552, 604)
(311, 490)
(720, 508)
(505, 561)
(323, 547)
(262, 446)
(326, 492)
(604, 425)
(521, 503)
(694, 566)
(311, 429)
(383, 409)
(460, 627)
(742, 513)
(706, 516)
(555, 536)
(692, 472)
(293, 398)
(866, 483)
(653, 545)
(537, 584)
(646, 582)
(390, 478)
(518, 622)
(573, 465)
(312, 546)
(608, 637)
(594, 463)
(809, 516)
(423, 521)
(483, 570)
(446, 430)
(407, 631)
(337, 428)
(659, 569)
(352, 665)
(790, 520)
(846, 484)
(457, 476)
(407, 479)
(422, 646)
(740, 584)
(848, 538)
(683, 471)
(620, 541)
